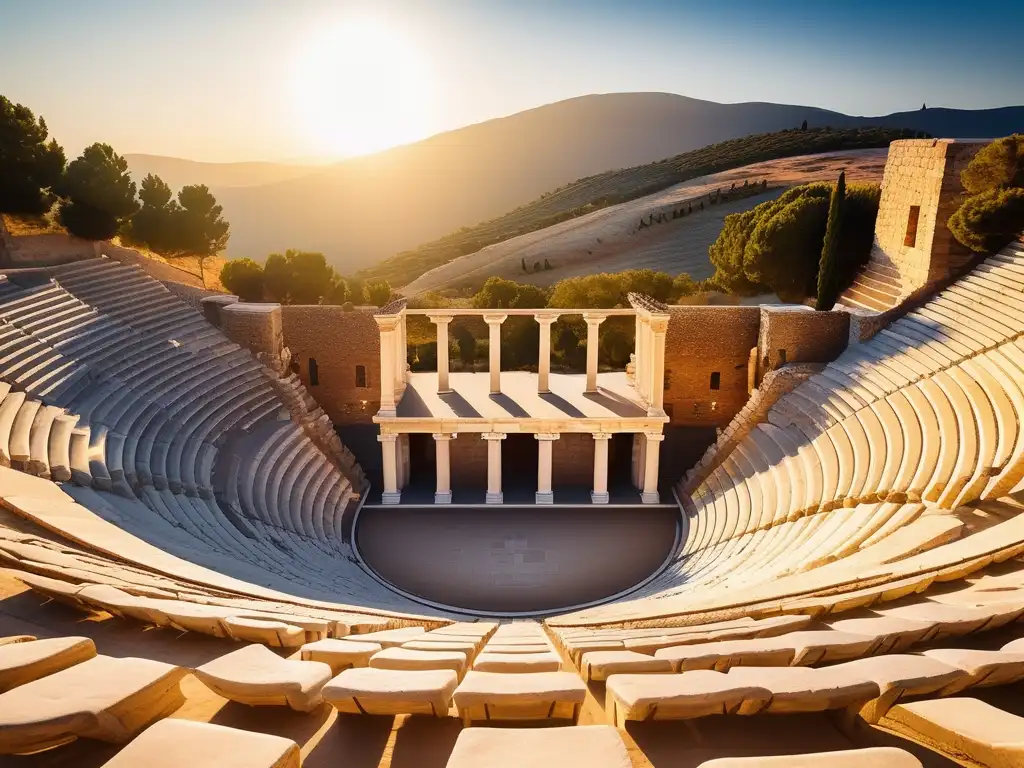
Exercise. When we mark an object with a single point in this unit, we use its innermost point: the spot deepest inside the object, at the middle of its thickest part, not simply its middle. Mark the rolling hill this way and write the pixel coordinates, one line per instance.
(362, 210)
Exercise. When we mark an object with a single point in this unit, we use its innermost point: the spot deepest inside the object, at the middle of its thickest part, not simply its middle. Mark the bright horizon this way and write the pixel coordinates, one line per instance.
(256, 81)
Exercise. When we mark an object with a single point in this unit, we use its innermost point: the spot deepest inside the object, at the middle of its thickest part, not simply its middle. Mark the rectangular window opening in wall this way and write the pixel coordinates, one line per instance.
(911, 239)
(360, 375)
(782, 357)
(716, 380)
(314, 372)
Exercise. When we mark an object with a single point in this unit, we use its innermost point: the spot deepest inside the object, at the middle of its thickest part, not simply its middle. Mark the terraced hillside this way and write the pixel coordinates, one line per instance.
(613, 187)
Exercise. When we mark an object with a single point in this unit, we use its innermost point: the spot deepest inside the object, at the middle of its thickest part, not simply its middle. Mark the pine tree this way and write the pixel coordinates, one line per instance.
(803, 126)
(828, 266)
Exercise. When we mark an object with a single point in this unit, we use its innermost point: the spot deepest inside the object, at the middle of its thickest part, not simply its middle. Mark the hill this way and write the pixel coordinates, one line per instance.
(178, 172)
(364, 209)
(613, 239)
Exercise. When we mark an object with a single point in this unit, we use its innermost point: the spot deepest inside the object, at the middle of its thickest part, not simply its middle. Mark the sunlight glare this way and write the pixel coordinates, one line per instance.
(362, 87)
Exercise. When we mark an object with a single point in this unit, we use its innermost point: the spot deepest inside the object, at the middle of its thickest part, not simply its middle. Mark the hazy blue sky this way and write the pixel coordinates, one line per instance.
(252, 79)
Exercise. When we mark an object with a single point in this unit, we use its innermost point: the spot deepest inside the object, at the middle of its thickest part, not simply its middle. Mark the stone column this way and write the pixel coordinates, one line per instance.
(442, 321)
(494, 344)
(600, 493)
(494, 495)
(443, 494)
(388, 330)
(643, 360)
(544, 356)
(659, 326)
(545, 443)
(401, 355)
(593, 345)
(389, 456)
(652, 449)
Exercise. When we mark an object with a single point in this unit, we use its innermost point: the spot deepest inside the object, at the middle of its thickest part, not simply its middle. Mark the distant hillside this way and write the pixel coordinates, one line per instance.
(613, 187)
(177, 172)
(364, 209)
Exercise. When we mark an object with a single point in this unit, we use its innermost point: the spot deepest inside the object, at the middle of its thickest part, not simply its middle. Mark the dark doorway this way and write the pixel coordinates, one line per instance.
(422, 461)
(620, 460)
(519, 467)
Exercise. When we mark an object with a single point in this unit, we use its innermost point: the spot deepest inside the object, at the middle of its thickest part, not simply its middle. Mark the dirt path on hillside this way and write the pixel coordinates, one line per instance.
(609, 240)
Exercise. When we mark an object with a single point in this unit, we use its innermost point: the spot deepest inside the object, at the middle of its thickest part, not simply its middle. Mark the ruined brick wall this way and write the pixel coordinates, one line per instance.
(701, 341)
(257, 327)
(468, 455)
(797, 334)
(923, 173)
(572, 460)
(338, 341)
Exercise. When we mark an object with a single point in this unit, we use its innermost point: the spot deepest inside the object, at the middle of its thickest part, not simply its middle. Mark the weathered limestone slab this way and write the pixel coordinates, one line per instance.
(407, 658)
(548, 661)
(340, 654)
(803, 689)
(586, 746)
(961, 728)
(528, 696)
(175, 743)
(600, 665)
(391, 638)
(870, 757)
(371, 691)
(677, 697)
(103, 698)
(982, 668)
(257, 676)
(22, 663)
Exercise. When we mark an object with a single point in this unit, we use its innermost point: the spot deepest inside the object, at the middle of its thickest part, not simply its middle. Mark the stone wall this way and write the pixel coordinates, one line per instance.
(923, 173)
(46, 250)
(191, 294)
(572, 460)
(257, 327)
(702, 341)
(798, 334)
(338, 341)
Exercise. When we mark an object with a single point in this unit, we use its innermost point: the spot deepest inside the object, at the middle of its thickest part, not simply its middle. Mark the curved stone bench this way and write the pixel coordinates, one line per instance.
(259, 677)
(527, 696)
(371, 691)
(24, 662)
(594, 746)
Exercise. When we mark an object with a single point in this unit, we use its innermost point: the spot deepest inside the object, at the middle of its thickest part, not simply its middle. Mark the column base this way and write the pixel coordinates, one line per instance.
(388, 413)
(650, 497)
(447, 391)
(599, 497)
(443, 498)
(494, 497)
(391, 497)
(545, 497)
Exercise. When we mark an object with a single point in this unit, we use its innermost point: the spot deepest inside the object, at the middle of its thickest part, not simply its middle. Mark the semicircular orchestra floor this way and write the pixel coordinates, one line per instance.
(515, 559)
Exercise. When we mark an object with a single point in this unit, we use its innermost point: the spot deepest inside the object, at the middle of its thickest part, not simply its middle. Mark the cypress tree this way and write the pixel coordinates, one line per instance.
(828, 266)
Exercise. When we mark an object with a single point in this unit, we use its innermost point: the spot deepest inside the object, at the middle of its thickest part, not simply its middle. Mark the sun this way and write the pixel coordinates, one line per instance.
(362, 87)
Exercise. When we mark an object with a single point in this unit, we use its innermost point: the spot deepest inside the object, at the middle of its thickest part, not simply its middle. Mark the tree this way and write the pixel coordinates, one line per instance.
(200, 228)
(497, 293)
(828, 266)
(683, 285)
(378, 292)
(244, 278)
(783, 251)
(153, 225)
(988, 221)
(467, 343)
(29, 165)
(98, 195)
(311, 276)
(277, 277)
(803, 126)
(996, 166)
(924, 107)
(356, 291)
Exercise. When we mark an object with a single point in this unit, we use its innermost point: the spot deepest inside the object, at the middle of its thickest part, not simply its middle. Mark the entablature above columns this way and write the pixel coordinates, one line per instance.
(550, 429)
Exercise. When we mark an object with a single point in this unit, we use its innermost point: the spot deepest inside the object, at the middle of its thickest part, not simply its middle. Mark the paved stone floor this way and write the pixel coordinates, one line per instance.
(516, 558)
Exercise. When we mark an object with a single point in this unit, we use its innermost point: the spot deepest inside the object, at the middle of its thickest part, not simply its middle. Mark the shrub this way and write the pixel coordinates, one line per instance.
(988, 221)
(996, 166)
(244, 278)
(378, 292)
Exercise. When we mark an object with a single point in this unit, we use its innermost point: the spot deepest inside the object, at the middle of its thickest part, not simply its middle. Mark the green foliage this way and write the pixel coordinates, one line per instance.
(244, 278)
(356, 291)
(277, 277)
(777, 245)
(828, 266)
(683, 285)
(466, 341)
(612, 187)
(499, 293)
(378, 292)
(29, 164)
(311, 276)
(996, 166)
(98, 194)
(199, 227)
(152, 226)
(989, 220)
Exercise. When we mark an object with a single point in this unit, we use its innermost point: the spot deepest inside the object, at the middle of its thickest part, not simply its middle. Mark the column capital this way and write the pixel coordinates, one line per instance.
(602, 435)
(492, 318)
(546, 318)
(593, 318)
(387, 437)
(387, 322)
(445, 435)
(440, 319)
(658, 324)
(546, 435)
(654, 437)
(493, 435)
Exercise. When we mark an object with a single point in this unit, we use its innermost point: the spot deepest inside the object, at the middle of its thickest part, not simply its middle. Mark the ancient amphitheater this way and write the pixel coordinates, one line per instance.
(179, 527)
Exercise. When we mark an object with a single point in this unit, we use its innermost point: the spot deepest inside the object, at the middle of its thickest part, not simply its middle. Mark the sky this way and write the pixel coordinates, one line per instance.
(234, 80)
